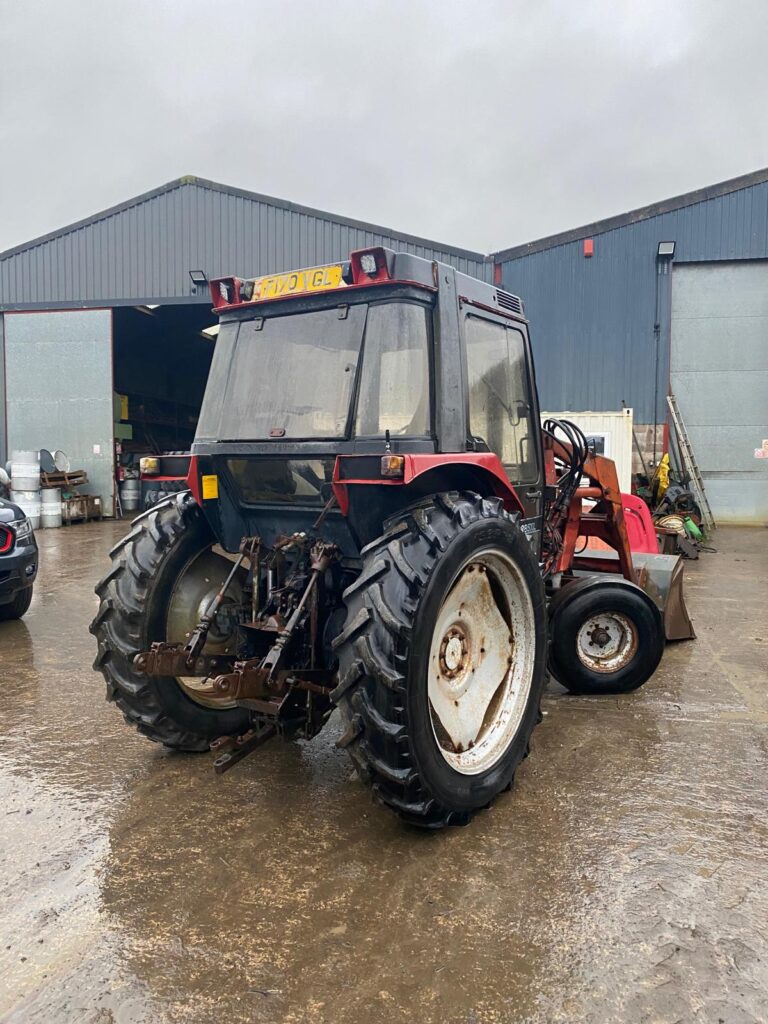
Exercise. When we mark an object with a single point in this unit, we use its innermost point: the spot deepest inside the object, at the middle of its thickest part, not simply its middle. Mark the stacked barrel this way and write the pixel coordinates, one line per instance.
(41, 505)
(25, 484)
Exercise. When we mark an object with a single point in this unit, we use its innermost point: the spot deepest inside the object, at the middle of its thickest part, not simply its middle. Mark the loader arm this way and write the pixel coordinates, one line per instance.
(604, 519)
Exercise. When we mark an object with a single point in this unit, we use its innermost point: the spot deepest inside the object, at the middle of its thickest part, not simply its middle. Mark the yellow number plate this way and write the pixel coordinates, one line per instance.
(316, 279)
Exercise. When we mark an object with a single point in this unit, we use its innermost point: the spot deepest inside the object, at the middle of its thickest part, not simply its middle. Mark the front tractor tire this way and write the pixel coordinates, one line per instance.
(442, 658)
(162, 573)
(607, 636)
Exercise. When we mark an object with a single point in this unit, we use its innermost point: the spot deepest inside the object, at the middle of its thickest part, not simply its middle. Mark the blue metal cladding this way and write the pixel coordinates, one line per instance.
(143, 250)
(592, 319)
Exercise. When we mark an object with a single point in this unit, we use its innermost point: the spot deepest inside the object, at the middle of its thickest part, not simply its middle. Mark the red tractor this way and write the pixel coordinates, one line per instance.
(377, 522)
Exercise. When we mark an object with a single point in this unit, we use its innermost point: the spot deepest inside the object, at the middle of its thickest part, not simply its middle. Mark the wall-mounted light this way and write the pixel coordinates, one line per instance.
(198, 278)
(666, 251)
(589, 247)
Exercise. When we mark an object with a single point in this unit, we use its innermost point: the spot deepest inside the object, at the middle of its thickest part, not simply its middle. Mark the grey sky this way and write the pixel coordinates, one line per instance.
(482, 124)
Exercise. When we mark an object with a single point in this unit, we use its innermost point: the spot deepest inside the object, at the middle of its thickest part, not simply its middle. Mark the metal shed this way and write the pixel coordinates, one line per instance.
(108, 305)
(617, 319)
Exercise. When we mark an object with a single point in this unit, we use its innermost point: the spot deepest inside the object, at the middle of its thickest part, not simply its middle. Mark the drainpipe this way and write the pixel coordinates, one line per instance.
(662, 327)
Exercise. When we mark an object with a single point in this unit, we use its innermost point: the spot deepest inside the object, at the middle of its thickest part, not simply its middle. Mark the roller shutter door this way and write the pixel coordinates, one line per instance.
(719, 373)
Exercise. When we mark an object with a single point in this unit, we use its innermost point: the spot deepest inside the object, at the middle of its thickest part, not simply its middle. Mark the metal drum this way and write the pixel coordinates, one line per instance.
(50, 508)
(25, 471)
(29, 503)
(130, 494)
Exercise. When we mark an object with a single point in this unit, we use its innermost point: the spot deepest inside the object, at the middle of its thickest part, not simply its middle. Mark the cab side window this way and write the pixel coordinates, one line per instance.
(500, 408)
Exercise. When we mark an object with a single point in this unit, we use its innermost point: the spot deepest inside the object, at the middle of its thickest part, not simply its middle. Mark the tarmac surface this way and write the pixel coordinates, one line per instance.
(623, 879)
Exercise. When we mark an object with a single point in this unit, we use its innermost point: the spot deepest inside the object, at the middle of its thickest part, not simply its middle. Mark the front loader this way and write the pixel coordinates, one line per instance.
(377, 522)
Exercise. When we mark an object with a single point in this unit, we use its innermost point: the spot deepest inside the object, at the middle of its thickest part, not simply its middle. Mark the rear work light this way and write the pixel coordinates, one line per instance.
(371, 265)
(225, 291)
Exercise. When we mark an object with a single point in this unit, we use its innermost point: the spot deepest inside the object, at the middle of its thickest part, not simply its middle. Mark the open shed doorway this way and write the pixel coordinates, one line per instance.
(161, 361)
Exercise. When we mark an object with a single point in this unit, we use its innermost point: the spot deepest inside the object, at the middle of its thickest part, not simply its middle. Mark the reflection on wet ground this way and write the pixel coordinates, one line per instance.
(623, 879)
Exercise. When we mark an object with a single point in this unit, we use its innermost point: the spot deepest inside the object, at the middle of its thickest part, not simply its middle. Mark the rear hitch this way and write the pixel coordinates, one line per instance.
(283, 699)
(232, 749)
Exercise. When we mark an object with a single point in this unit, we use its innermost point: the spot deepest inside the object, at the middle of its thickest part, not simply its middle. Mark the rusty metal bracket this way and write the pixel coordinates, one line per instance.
(232, 749)
(164, 659)
(250, 680)
(245, 679)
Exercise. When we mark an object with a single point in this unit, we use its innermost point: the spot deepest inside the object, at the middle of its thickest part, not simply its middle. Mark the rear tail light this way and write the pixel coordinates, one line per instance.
(392, 465)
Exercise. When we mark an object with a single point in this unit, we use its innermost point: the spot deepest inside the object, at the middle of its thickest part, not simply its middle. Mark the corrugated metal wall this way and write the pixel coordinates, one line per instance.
(592, 320)
(59, 380)
(144, 250)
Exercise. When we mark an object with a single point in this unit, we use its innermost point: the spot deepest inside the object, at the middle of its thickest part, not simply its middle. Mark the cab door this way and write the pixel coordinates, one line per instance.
(503, 410)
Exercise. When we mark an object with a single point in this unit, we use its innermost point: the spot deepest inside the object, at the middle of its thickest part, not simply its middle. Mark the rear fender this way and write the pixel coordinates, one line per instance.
(367, 499)
(357, 471)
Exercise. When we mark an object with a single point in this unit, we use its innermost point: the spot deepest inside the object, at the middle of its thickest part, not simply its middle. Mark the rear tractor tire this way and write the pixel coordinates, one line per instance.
(442, 658)
(163, 575)
(607, 636)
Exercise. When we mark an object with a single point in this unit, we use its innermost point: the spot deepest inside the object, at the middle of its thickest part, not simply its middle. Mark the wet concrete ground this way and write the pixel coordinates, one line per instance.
(624, 879)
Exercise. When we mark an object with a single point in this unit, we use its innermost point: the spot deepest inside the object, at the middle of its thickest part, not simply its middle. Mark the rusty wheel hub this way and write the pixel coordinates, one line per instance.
(607, 642)
(454, 653)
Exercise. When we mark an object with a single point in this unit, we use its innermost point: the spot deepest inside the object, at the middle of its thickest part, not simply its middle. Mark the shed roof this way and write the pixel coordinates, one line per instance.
(229, 190)
(599, 227)
(143, 249)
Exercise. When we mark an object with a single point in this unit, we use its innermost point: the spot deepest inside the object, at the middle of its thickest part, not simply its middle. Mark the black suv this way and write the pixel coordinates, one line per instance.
(18, 561)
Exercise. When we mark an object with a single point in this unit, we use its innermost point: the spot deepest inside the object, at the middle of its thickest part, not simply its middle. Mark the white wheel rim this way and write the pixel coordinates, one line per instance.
(606, 642)
(481, 663)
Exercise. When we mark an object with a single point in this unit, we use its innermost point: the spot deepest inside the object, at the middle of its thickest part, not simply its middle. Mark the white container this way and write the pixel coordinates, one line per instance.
(29, 503)
(25, 470)
(612, 432)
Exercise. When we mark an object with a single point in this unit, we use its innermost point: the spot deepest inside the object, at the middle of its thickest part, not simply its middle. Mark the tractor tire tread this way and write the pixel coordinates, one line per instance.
(123, 592)
(370, 694)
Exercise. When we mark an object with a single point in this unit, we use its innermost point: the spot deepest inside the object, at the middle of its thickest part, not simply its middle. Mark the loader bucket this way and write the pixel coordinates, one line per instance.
(661, 577)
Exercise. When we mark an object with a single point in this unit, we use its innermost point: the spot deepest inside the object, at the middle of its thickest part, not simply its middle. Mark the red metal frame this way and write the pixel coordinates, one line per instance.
(416, 465)
(193, 480)
(604, 519)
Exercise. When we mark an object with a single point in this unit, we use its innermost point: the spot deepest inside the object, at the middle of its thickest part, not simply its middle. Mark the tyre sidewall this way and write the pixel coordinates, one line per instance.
(570, 615)
(18, 606)
(449, 786)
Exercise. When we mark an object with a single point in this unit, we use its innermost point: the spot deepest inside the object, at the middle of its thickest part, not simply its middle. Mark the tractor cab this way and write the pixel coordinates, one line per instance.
(324, 380)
